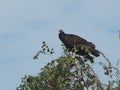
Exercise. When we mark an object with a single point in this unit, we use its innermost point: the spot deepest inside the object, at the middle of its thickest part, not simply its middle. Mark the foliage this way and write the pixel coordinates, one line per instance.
(69, 72)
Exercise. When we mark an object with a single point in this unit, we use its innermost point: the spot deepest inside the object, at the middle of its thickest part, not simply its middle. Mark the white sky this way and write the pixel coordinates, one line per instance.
(24, 24)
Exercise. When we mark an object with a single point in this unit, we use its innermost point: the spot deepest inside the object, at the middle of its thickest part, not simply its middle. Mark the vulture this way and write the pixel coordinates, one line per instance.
(83, 47)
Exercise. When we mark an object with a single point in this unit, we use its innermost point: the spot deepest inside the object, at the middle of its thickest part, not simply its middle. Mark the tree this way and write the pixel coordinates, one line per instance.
(70, 72)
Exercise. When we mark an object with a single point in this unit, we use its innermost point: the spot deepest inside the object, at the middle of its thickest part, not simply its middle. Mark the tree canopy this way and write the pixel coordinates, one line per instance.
(70, 72)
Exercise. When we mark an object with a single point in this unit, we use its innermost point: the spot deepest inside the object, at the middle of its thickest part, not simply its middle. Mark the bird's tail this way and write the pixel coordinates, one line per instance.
(95, 52)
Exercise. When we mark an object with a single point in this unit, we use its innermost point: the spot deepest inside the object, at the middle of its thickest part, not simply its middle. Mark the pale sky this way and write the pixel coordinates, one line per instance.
(24, 24)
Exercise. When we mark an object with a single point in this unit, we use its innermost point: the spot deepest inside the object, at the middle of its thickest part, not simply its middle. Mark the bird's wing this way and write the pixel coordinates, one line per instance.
(70, 40)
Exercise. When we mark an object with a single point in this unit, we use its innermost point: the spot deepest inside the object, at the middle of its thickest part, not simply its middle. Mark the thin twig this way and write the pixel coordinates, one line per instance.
(118, 62)
(37, 54)
(105, 57)
(98, 80)
(118, 71)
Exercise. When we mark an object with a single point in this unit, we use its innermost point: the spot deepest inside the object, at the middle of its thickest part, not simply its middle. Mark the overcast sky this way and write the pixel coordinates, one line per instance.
(24, 24)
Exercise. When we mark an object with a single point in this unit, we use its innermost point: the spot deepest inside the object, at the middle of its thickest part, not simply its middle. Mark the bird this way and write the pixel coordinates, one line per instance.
(84, 48)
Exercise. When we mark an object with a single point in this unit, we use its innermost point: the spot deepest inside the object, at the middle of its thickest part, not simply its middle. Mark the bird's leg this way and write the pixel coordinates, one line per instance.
(88, 57)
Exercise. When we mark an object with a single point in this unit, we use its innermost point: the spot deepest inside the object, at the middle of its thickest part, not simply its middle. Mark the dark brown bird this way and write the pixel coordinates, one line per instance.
(85, 49)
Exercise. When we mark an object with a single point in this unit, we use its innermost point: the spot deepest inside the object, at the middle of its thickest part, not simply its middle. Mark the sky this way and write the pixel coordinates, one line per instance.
(25, 24)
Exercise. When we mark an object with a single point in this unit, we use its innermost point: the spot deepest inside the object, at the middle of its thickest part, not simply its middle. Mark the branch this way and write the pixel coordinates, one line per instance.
(44, 50)
(98, 80)
(118, 71)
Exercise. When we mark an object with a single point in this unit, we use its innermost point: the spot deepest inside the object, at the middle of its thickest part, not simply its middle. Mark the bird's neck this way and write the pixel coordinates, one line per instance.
(61, 35)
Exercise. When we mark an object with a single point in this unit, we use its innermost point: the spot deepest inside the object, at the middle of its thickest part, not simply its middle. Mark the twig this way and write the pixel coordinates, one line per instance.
(105, 57)
(98, 80)
(37, 54)
(109, 62)
(85, 83)
(118, 62)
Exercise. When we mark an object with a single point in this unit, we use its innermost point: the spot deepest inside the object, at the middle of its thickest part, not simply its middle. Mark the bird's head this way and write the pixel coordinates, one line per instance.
(60, 31)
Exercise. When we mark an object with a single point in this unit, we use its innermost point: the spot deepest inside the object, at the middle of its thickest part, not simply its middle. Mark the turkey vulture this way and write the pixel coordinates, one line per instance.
(85, 49)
